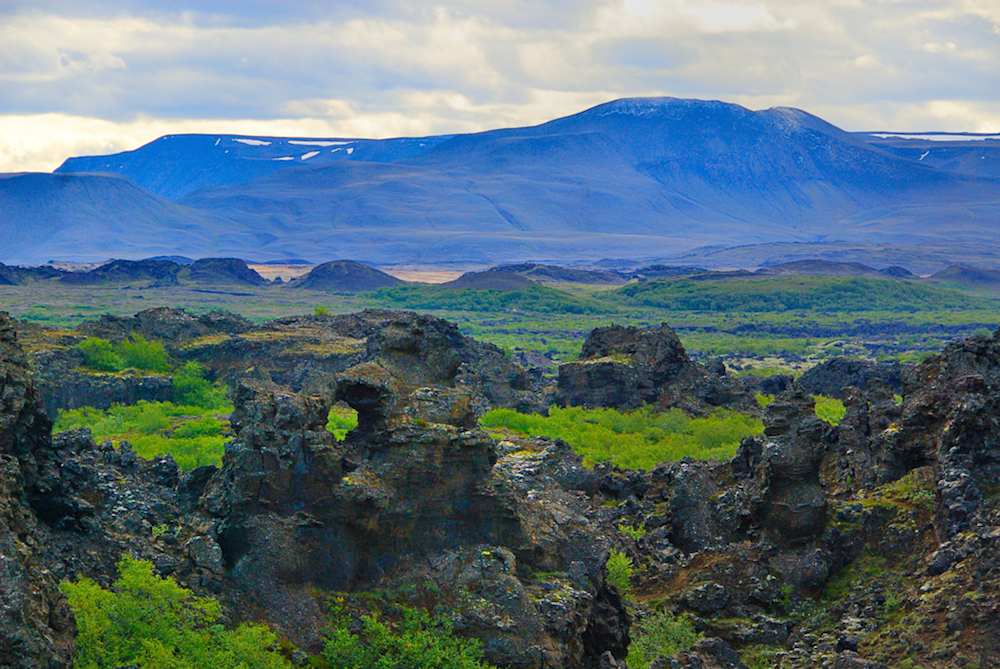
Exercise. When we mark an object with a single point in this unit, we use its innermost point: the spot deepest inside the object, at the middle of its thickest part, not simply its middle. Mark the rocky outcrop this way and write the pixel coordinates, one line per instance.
(833, 377)
(405, 502)
(36, 628)
(63, 383)
(172, 326)
(626, 367)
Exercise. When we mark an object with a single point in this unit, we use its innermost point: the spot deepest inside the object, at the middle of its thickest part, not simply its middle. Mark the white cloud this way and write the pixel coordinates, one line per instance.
(83, 81)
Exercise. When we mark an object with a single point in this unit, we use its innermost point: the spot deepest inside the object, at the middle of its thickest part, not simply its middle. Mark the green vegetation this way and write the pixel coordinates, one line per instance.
(662, 634)
(794, 293)
(342, 419)
(192, 435)
(763, 399)
(635, 532)
(190, 387)
(135, 352)
(620, 570)
(320, 310)
(416, 641)
(638, 439)
(154, 623)
(830, 409)
(532, 299)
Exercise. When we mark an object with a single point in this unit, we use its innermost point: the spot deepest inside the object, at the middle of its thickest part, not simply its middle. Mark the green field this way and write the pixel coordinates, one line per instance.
(778, 322)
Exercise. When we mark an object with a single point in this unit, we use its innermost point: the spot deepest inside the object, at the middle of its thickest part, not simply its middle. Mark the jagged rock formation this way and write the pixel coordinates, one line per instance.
(833, 377)
(860, 545)
(626, 367)
(409, 502)
(36, 628)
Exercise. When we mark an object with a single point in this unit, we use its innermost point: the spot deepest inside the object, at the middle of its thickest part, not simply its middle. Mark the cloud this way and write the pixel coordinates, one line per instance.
(75, 77)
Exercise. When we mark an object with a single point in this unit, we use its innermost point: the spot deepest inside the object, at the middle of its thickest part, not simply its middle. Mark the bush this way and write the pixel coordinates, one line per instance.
(141, 353)
(321, 311)
(152, 622)
(620, 570)
(660, 635)
(341, 420)
(192, 388)
(136, 352)
(639, 439)
(417, 641)
(829, 409)
(101, 355)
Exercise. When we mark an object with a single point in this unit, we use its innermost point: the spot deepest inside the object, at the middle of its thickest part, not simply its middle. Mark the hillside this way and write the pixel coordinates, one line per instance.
(641, 177)
(345, 276)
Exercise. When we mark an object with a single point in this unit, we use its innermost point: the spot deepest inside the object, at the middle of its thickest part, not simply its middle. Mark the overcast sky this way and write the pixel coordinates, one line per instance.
(84, 77)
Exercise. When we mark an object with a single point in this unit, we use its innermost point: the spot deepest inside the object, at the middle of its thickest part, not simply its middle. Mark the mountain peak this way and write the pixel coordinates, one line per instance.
(650, 106)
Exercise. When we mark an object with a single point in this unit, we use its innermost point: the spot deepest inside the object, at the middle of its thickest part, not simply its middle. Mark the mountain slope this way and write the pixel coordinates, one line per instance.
(632, 177)
(91, 217)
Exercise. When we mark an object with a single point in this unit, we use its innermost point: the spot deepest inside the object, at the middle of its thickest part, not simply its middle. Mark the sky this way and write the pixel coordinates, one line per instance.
(89, 77)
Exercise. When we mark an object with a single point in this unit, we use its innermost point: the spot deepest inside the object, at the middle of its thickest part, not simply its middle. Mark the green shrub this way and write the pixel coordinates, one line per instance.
(321, 311)
(660, 635)
(639, 439)
(636, 532)
(154, 623)
(763, 399)
(100, 354)
(192, 388)
(341, 420)
(136, 352)
(141, 353)
(620, 570)
(830, 409)
(417, 641)
(192, 435)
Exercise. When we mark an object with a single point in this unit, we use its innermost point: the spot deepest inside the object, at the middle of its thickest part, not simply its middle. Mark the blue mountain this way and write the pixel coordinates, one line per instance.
(632, 177)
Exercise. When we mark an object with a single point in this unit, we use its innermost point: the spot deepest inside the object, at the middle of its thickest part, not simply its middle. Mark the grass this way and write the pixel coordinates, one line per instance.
(662, 634)
(792, 293)
(639, 439)
(193, 435)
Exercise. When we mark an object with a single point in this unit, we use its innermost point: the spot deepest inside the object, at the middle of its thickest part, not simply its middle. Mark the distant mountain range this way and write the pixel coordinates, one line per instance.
(643, 177)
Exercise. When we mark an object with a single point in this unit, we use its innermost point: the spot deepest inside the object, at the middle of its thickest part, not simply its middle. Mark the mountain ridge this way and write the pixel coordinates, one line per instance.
(634, 176)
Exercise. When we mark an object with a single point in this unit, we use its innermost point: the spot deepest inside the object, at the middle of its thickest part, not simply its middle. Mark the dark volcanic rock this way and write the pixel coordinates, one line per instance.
(215, 271)
(834, 376)
(158, 272)
(626, 367)
(345, 276)
(172, 326)
(36, 628)
(405, 504)
(62, 384)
